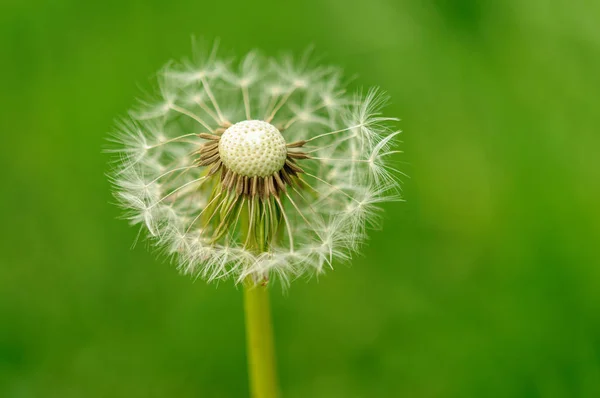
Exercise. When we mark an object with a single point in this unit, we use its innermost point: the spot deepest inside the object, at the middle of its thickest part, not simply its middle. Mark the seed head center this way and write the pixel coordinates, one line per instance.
(253, 148)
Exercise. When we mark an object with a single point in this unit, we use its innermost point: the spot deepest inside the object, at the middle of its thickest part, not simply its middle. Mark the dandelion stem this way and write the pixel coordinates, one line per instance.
(259, 340)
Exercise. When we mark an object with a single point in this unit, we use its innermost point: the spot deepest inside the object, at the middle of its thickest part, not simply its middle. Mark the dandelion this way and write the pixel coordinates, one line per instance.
(255, 170)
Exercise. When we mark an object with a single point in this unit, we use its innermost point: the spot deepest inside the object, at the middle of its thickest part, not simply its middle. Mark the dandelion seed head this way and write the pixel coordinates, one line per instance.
(262, 168)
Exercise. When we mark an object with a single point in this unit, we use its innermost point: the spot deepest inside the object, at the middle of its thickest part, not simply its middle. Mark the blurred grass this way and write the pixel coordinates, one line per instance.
(484, 284)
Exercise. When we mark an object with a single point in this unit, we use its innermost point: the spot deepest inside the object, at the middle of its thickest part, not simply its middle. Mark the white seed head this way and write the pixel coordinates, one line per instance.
(253, 148)
(216, 186)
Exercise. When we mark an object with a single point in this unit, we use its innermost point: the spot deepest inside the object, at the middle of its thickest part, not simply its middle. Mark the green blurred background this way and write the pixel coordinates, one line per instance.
(485, 283)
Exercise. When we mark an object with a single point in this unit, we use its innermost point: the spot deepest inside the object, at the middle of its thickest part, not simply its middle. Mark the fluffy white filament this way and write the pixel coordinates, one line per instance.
(348, 175)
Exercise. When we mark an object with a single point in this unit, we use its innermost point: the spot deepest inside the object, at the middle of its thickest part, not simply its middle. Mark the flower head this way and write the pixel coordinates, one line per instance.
(259, 168)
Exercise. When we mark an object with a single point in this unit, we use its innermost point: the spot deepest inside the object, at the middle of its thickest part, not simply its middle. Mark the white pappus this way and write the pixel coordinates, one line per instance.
(260, 168)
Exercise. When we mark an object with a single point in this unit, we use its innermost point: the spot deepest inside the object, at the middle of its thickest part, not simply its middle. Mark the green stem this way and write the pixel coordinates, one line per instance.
(259, 337)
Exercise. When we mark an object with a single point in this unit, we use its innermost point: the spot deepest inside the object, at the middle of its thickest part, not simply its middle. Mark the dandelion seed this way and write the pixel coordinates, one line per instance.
(259, 169)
